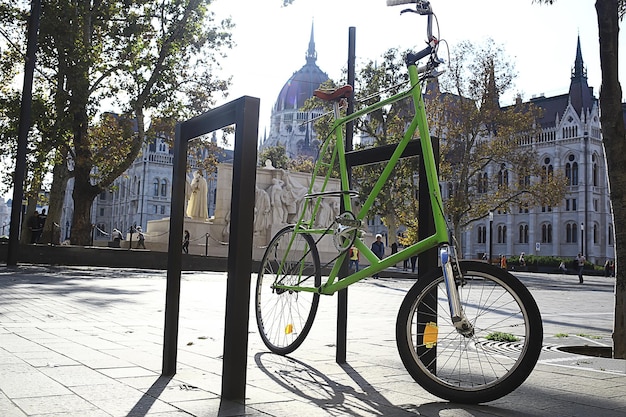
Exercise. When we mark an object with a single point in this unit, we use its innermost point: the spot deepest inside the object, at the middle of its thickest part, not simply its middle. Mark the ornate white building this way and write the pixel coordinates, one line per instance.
(289, 125)
(570, 142)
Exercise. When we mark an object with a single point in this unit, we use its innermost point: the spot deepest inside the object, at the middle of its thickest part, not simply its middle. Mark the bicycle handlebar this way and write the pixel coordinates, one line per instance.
(423, 8)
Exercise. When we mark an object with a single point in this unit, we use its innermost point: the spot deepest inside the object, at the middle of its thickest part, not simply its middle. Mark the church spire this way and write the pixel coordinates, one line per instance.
(311, 54)
(579, 70)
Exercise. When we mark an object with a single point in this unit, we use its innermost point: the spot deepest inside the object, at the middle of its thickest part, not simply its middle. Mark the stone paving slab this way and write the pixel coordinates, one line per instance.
(88, 342)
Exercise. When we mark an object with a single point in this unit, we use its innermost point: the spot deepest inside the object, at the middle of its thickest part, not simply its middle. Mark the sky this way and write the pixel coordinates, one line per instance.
(271, 40)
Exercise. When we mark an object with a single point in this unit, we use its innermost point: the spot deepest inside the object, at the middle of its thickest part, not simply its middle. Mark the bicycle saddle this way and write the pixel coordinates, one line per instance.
(336, 94)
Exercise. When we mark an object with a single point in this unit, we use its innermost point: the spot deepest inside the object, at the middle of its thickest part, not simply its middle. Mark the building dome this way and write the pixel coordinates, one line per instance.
(302, 83)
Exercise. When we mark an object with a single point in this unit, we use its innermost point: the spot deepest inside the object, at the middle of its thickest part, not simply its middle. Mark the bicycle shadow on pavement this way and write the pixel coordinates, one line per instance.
(364, 399)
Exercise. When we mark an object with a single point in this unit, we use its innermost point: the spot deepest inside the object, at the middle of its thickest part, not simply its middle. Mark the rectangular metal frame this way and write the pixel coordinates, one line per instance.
(244, 114)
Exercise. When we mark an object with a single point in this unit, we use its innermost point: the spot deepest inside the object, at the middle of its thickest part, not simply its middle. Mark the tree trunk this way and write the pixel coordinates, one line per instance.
(614, 136)
(52, 230)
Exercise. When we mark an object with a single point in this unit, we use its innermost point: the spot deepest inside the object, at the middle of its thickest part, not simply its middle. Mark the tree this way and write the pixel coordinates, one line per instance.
(276, 154)
(610, 13)
(484, 166)
(141, 54)
(397, 200)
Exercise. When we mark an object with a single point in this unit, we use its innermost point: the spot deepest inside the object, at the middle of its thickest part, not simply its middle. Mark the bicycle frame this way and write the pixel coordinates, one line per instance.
(439, 237)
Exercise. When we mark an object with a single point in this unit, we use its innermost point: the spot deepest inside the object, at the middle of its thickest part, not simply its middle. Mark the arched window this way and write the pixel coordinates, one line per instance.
(595, 234)
(523, 233)
(155, 190)
(163, 187)
(481, 183)
(503, 177)
(571, 232)
(546, 233)
(482, 234)
(594, 171)
(501, 234)
(548, 170)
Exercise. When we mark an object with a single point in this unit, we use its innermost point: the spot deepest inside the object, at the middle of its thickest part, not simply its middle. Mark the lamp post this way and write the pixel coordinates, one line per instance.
(582, 239)
(490, 234)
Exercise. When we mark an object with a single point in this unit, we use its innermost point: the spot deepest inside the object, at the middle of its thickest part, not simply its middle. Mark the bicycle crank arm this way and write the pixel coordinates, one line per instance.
(452, 275)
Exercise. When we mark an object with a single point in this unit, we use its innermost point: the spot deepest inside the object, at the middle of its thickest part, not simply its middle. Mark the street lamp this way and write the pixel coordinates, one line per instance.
(490, 233)
(582, 239)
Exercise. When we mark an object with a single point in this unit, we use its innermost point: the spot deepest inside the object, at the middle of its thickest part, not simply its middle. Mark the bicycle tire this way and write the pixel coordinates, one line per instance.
(481, 367)
(284, 318)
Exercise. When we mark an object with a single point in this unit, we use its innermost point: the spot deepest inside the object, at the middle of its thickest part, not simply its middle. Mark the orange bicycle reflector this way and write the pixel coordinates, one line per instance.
(431, 331)
(289, 328)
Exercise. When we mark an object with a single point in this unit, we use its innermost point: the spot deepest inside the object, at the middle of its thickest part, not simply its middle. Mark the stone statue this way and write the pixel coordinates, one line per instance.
(262, 211)
(276, 198)
(292, 194)
(198, 208)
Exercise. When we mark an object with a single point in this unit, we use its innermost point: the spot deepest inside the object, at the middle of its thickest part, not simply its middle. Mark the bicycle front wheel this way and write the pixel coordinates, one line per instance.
(477, 367)
(284, 317)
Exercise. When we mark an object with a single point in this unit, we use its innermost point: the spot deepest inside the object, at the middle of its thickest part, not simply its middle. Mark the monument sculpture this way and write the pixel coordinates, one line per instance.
(198, 208)
(279, 195)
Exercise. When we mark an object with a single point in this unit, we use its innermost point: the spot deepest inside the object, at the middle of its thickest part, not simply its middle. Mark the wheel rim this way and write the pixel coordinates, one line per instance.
(470, 363)
(284, 316)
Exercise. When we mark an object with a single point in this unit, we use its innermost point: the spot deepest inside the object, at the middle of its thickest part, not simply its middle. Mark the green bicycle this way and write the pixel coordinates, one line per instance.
(450, 324)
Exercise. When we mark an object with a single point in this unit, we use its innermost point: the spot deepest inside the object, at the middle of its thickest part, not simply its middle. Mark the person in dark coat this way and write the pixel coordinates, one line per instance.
(378, 247)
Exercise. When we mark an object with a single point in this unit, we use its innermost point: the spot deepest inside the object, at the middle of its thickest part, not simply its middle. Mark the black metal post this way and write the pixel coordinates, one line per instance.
(174, 257)
(206, 244)
(342, 297)
(234, 364)
(22, 139)
(490, 235)
(582, 239)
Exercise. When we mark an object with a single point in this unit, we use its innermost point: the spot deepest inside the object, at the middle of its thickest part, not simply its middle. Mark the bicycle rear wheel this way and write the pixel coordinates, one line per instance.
(285, 317)
(476, 368)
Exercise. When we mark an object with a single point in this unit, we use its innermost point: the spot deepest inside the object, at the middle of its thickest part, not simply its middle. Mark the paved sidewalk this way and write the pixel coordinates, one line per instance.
(88, 342)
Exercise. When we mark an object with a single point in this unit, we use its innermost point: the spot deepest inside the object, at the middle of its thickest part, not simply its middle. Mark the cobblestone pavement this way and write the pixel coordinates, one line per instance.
(88, 342)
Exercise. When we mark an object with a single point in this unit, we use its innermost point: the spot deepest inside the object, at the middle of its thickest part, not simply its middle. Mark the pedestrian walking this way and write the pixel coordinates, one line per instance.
(378, 247)
(141, 239)
(503, 262)
(116, 237)
(354, 258)
(33, 226)
(580, 260)
(186, 241)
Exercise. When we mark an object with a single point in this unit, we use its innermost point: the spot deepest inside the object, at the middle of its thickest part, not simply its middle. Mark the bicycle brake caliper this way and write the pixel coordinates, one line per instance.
(453, 279)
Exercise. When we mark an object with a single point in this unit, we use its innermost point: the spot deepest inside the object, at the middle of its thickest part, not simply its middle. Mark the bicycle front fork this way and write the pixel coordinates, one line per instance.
(454, 278)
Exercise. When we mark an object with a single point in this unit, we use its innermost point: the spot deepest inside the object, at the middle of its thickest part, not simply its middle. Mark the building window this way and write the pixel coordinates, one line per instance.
(482, 183)
(156, 209)
(548, 170)
(523, 233)
(574, 205)
(546, 233)
(501, 234)
(571, 233)
(503, 177)
(595, 234)
(155, 187)
(162, 209)
(610, 234)
(163, 188)
(101, 211)
(482, 234)
(594, 170)
(103, 195)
